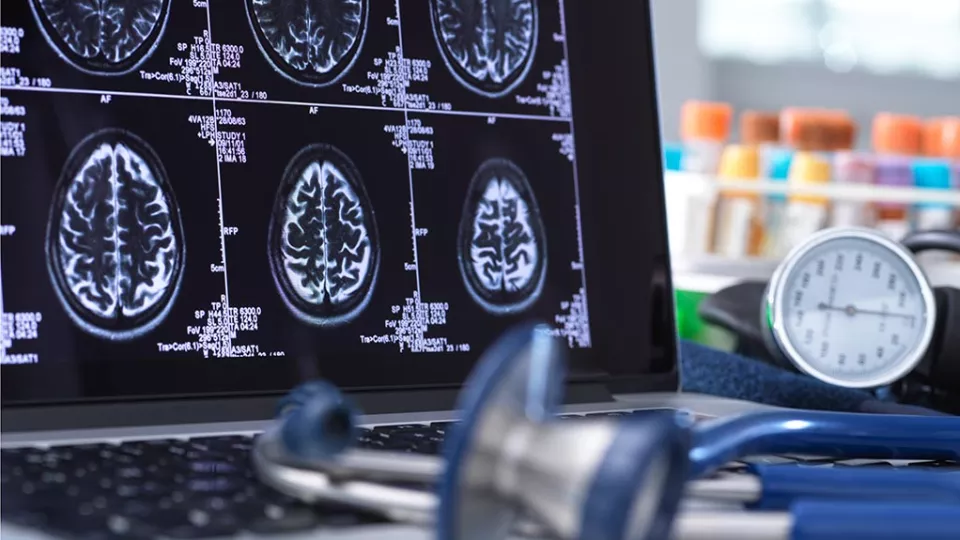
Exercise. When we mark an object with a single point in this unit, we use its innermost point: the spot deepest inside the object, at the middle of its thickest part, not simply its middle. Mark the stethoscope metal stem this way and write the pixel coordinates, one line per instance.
(727, 487)
(314, 482)
(727, 525)
(384, 465)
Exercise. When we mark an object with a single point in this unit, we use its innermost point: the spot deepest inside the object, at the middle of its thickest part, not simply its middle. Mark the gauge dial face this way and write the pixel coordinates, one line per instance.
(853, 311)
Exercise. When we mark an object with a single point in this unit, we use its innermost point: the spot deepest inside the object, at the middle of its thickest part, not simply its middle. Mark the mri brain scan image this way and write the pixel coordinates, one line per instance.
(104, 37)
(323, 243)
(502, 247)
(115, 247)
(488, 45)
(311, 42)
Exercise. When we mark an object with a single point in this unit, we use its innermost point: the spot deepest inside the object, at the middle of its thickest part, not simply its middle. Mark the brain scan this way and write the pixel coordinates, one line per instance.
(115, 248)
(104, 37)
(502, 247)
(323, 243)
(311, 42)
(488, 45)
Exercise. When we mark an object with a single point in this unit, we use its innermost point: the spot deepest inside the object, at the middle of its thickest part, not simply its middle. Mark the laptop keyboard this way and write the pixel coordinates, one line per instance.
(194, 488)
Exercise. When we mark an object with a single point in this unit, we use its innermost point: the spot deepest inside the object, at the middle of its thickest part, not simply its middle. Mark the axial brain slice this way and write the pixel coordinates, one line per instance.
(105, 35)
(504, 248)
(327, 248)
(488, 44)
(118, 246)
(310, 41)
(503, 251)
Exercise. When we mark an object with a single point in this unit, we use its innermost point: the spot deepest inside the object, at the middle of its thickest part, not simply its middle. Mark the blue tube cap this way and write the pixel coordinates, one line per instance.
(932, 174)
(779, 164)
(672, 156)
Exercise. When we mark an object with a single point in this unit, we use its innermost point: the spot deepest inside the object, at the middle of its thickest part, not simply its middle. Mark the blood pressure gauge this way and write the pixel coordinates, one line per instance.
(851, 308)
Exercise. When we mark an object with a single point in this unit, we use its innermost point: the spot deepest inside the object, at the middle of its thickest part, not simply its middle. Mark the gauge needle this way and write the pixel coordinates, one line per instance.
(852, 310)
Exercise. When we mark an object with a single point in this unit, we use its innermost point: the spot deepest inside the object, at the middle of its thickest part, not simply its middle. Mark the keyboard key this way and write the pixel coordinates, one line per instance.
(212, 467)
(400, 427)
(274, 518)
(202, 524)
(127, 526)
(442, 427)
(219, 484)
(374, 445)
(864, 463)
(95, 527)
(336, 515)
(769, 460)
(223, 441)
(30, 519)
(427, 447)
(813, 460)
(136, 508)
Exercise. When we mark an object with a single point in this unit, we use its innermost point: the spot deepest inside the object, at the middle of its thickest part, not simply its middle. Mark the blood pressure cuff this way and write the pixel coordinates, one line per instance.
(941, 367)
(708, 371)
(737, 310)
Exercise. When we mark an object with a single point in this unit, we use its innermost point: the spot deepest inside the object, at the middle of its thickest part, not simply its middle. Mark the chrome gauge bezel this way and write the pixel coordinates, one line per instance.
(773, 316)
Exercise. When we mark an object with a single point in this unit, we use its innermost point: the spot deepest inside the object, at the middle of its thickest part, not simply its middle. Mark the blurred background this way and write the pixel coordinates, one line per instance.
(784, 117)
(862, 56)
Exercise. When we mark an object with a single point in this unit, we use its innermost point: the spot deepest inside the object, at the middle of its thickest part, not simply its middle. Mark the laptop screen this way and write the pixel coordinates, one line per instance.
(231, 196)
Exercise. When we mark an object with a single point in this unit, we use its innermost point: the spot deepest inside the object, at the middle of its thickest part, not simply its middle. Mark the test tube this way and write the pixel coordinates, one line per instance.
(933, 173)
(896, 142)
(850, 167)
(705, 127)
(950, 138)
(775, 206)
(762, 129)
(942, 140)
(807, 214)
(933, 137)
(737, 225)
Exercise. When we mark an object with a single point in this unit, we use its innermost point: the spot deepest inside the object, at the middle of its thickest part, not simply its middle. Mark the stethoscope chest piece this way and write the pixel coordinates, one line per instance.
(599, 479)
(517, 384)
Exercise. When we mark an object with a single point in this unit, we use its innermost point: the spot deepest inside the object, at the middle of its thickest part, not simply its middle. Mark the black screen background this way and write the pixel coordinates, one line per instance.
(622, 215)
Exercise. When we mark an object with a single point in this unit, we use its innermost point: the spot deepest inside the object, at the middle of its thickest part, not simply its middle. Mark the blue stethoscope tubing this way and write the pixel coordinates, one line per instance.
(782, 485)
(834, 435)
(828, 520)
(777, 487)
(827, 434)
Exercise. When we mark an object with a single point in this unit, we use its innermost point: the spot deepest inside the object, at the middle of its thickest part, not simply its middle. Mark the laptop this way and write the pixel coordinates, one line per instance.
(207, 203)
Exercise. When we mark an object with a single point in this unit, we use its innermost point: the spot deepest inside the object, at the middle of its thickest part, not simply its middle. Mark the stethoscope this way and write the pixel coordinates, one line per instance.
(510, 468)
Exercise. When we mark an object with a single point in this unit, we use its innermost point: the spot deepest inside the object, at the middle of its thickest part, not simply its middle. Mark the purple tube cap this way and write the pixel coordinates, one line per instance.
(893, 171)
